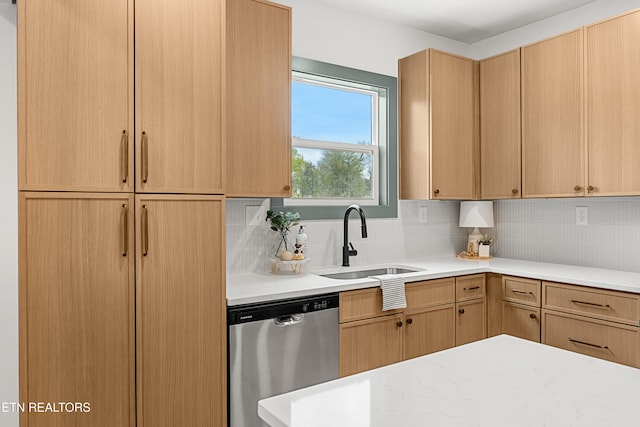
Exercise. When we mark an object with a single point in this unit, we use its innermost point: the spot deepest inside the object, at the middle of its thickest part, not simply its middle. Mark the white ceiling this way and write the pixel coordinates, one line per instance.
(468, 21)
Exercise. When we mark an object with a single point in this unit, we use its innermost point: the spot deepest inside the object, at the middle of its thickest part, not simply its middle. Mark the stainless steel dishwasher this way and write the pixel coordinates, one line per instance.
(277, 347)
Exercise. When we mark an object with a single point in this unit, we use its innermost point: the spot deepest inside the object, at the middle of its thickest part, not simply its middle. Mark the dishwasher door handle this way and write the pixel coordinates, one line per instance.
(291, 319)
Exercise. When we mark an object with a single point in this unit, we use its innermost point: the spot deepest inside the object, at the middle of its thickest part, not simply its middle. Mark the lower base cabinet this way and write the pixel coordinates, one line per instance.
(181, 316)
(429, 330)
(522, 321)
(369, 344)
(605, 340)
(470, 321)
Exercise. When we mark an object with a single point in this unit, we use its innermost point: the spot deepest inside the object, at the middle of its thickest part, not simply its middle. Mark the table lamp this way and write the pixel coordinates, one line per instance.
(476, 214)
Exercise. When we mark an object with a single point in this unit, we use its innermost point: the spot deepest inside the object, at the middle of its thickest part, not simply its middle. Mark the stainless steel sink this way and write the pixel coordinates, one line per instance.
(359, 274)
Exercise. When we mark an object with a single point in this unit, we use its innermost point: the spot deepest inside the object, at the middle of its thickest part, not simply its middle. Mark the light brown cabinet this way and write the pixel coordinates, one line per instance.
(471, 311)
(371, 343)
(612, 104)
(500, 130)
(77, 307)
(596, 322)
(75, 104)
(438, 126)
(258, 99)
(521, 315)
(521, 321)
(370, 337)
(553, 153)
(181, 317)
(179, 102)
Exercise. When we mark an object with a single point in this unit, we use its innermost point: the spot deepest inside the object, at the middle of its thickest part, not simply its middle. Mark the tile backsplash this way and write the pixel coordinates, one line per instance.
(532, 229)
(249, 246)
(545, 230)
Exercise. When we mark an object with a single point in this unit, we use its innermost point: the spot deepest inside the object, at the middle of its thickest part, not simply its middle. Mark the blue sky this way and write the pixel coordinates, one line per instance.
(328, 114)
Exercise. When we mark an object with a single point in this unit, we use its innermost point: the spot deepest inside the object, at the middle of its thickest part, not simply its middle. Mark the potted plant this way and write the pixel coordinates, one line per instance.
(484, 245)
(282, 222)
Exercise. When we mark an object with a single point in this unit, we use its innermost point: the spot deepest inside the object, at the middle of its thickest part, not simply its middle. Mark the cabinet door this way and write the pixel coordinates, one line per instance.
(371, 343)
(430, 330)
(552, 118)
(605, 340)
(258, 99)
(612, 104)
(179, 96)
(500, 126)
(181, 319)
(413, 116)
(521, 321)
(75, 87)
(453, 126)
(471, 321)
(77, 307)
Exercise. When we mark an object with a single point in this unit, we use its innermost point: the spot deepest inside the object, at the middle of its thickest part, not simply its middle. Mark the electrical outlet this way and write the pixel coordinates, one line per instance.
(422, 214)
(582, 215)
(251, 214)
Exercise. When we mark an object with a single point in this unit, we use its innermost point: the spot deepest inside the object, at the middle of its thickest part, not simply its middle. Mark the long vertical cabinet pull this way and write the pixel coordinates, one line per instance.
(145, 230)
(125, 155)
(125, 231)
(145, 157)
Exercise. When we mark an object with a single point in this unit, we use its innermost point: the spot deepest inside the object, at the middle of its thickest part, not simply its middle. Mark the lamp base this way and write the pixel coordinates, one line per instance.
(474, 237)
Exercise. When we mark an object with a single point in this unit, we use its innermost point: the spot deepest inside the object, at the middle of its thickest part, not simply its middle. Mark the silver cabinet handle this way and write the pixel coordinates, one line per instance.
(516, 291)
(292, 319)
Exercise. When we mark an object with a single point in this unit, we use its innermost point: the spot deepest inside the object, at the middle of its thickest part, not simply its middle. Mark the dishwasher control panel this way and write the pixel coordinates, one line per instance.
(273, 309)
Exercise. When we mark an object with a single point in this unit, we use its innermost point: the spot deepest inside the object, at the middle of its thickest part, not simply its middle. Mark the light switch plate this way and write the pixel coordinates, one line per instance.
(251, 214)
(582, 215)
(422, 214)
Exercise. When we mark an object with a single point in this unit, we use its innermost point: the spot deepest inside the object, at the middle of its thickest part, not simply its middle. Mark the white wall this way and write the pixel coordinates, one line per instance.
(8, 215)
(585, 15)
(329, 34)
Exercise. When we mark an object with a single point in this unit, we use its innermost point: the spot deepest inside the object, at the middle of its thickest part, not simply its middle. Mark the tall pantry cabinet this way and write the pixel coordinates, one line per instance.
(150, 350)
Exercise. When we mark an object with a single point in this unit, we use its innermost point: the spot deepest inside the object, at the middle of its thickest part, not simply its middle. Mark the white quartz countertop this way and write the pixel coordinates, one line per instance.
(258, 287)
(500, 381)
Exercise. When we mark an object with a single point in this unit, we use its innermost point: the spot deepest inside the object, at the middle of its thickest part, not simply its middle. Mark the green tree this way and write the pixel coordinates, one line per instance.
(304, 176)
(343, 174)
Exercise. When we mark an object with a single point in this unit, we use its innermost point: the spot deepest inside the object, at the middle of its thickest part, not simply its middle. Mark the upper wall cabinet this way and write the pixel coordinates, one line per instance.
(75, 95)
(552, 117)
(258, 99)
(453, 91)
(500, 126)
(613, 105)
(179, 48)
(438, 144)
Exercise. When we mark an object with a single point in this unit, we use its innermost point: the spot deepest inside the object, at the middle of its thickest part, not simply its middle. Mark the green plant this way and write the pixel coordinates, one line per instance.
(282, 222)
(486, 240)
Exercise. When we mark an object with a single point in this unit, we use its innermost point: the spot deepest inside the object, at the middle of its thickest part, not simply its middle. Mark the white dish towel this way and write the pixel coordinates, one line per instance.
(393, 295)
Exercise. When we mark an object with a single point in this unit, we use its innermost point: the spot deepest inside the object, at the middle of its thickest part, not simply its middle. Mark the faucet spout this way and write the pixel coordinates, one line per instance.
(346, 252)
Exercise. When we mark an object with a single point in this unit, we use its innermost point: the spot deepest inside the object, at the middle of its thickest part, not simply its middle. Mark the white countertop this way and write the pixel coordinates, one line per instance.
(256, 287)
(500, 381)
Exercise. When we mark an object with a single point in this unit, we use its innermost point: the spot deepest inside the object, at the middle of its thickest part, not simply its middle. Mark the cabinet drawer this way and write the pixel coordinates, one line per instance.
(522, 321)
(362, 304)
(470, 287)
(597, 338)
(607, 305)
(429, 293)
(523, 291)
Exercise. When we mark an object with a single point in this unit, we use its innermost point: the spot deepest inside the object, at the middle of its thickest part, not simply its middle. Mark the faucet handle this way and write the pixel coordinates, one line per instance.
(352, 251)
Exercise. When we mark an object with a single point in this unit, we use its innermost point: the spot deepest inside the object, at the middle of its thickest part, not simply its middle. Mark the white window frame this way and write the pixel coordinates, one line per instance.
(371, 149)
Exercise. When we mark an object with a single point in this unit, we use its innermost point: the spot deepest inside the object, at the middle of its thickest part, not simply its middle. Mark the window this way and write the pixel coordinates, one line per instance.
(344, 149)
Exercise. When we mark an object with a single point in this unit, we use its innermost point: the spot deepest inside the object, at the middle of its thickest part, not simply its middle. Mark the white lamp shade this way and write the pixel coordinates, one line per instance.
(476, 214)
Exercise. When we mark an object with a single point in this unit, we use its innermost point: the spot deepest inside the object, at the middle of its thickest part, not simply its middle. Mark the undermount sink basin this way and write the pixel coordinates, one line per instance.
(360, 274)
